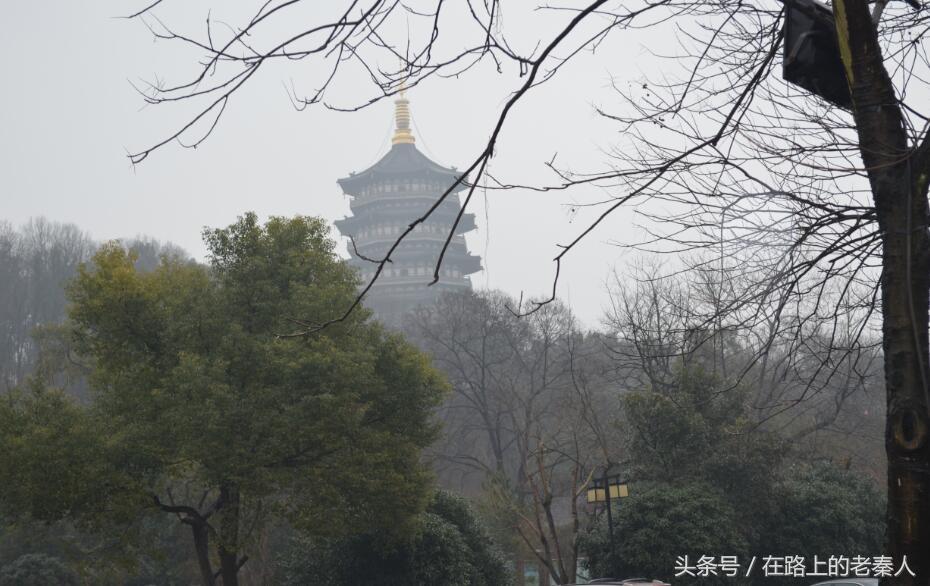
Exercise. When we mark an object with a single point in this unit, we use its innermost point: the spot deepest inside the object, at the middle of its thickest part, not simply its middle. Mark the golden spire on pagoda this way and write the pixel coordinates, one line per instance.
(402, 134)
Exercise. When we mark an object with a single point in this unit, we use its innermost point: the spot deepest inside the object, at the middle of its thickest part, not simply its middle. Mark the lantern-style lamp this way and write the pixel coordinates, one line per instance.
(597, 493)
(812, 54)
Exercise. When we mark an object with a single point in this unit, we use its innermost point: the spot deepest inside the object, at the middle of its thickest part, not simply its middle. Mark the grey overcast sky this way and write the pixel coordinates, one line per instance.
(69, 115)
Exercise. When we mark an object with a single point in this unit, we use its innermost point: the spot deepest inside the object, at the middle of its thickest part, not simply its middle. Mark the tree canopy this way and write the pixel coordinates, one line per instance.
(202, 409)
(704, 482)
(450, 547)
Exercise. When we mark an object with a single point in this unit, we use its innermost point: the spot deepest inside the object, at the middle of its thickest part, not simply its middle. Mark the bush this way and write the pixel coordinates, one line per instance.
(36, 569)
(659, 522)
(450, 547)
(822, 510)
(809, 510)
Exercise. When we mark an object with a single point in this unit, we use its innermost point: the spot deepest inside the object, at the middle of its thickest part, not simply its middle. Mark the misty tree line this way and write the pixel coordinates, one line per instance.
(36, 262)
(802, 166)
(666, 397)
(209, 446)
(677, 399)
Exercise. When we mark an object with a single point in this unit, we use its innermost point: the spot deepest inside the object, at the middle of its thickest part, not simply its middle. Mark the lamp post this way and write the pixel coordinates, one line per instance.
(604, 490)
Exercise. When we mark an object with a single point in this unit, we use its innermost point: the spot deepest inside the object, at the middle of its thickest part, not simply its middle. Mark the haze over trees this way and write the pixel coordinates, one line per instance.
(209, 442)
(540, 408)
(747, 381)
(36, 262)
(202, 412)
(822, 203)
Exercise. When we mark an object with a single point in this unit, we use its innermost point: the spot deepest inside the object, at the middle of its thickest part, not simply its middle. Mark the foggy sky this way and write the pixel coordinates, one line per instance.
(69, 115)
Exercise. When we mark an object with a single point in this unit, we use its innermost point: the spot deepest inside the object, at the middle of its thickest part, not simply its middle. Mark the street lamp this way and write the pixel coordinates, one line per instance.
(604, 490)
(812, 53)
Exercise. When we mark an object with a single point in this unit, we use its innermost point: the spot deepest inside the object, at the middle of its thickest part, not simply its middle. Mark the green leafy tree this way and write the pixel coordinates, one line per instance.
(52, 460)
(697, 430)
(450, 547)
(707, 482)
(811, 510)
(820, 509)
(203, 411)
(659, 522)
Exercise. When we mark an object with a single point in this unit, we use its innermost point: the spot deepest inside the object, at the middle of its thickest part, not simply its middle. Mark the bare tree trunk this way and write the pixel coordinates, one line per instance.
(229, 537)
(202, 549)
(905, 311)
(901, 206)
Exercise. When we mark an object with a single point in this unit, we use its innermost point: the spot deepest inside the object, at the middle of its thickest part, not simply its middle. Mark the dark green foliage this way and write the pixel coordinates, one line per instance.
(151, 552)
(37, 570)
(698, 429)
(706, 482)
(200, 402)
(52, 460)
(660, 521)
(449, 548)
(823, 510)
(485, 559)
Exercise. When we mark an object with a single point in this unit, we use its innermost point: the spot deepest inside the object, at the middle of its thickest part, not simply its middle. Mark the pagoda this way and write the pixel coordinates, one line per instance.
(385, 199)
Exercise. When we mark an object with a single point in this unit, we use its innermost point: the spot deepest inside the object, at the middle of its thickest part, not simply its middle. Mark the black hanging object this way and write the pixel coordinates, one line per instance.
(812, 54)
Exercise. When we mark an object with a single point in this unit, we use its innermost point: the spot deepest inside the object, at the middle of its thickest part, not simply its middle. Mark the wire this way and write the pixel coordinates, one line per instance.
(420, 134)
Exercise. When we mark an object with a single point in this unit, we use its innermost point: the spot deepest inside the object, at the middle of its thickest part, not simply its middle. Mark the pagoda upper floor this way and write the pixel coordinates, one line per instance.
(385, 199)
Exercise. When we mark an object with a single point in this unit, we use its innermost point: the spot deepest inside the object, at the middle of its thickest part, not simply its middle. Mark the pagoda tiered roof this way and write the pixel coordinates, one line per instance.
(403, 161)
(385, 198)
